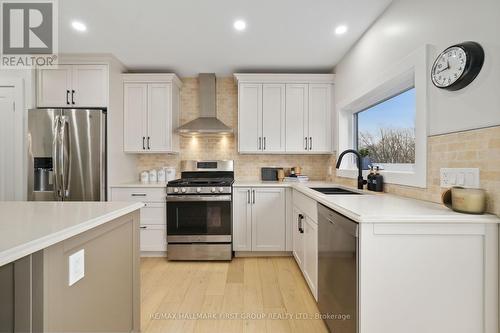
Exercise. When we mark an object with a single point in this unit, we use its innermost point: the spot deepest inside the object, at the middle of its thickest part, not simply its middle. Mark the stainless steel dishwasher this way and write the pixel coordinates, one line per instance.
(337, 271)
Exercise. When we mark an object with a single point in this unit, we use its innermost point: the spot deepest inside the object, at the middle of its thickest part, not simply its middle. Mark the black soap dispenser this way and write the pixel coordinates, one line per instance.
(378, 180)
(370, 179)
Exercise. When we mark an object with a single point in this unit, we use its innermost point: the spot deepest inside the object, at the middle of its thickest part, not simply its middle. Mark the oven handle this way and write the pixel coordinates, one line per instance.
(197, 198)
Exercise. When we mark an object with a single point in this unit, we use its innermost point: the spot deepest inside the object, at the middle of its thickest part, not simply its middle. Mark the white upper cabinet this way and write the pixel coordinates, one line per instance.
(250, 117)
(73, 86)
(159, 116)
(320, 115)
(297, 104)
(285, 113)
(135, 108)
(273, 117)
(54, 87)
(151, 113)
(90, 85)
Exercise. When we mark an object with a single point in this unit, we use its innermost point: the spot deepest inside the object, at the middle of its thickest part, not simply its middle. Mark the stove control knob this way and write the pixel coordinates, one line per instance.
(183, 190)
(198, 189)
(221, 189)
(212, 190)
(176, 190)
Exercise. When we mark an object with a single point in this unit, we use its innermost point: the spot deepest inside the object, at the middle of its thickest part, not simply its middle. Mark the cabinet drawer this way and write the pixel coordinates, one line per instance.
(154, 213)
(153, 238)
(138, 194)
(306, 205)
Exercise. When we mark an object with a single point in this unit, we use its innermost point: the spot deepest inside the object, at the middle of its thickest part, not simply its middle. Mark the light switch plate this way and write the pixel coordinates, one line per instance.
(76, 267)
(463, 177)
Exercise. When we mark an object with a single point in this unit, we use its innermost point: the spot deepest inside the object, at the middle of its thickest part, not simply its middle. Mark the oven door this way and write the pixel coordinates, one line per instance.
(199, 218)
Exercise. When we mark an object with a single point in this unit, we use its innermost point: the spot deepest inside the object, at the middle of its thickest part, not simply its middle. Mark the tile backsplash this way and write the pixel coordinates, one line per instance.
(247, 167)
(471, 149)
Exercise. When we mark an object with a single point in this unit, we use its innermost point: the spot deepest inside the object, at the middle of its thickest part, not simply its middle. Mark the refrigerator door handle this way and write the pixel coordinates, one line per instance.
(65, 160)
(56, 157)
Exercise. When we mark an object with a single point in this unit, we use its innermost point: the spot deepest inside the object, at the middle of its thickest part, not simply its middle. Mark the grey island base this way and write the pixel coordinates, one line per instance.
(69, 267)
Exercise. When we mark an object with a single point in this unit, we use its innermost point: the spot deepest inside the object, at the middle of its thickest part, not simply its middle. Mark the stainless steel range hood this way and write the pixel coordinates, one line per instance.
(207, 123)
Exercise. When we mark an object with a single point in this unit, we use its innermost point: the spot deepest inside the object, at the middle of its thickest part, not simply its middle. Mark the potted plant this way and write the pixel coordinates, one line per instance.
(365, 158)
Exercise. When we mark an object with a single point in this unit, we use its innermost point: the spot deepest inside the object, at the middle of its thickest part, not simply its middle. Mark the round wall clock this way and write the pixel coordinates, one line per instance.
(457, 66)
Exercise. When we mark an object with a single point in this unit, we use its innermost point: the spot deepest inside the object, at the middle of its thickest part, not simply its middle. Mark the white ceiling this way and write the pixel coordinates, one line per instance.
(194, 36)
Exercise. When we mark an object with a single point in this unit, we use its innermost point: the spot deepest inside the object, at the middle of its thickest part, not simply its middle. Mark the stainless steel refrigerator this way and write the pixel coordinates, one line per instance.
(66, 155)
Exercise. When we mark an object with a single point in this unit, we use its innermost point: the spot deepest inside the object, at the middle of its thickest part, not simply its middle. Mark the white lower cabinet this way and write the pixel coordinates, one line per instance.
(259, 219)
(153, 215)
(305, 241)
(242, 219)
(310, 264)
(153, 237)
(298, 237)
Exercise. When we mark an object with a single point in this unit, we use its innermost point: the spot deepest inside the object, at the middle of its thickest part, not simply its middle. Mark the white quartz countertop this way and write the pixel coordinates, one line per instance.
(139, 184)
(375, 207)
(27, 227)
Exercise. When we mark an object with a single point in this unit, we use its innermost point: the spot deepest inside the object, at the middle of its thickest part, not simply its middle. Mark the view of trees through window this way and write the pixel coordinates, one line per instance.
(386, 131)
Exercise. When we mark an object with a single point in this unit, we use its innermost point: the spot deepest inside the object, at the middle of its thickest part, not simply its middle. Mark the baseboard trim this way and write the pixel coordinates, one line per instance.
(147, 254)
(240, 254)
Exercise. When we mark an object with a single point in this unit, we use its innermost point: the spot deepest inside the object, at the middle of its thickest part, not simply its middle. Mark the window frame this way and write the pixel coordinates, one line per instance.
(412, 71)
(384, 166)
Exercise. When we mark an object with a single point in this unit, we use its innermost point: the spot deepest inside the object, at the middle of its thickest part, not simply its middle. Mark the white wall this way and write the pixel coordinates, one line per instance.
(27, 79)
(121, 167)
(407, 25)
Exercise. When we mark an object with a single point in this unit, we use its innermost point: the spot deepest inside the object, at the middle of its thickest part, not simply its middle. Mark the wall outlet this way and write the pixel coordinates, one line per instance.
(463, 177)
(76, 267)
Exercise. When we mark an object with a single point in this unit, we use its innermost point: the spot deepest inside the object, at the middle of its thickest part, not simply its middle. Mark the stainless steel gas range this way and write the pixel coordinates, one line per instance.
(199, 211)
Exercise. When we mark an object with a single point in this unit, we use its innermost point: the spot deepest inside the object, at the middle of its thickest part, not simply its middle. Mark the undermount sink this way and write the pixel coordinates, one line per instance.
(333, 190)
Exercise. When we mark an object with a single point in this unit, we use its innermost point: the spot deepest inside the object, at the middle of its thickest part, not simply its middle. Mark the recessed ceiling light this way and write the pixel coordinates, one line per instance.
(79, 26)
(341, 29)
(240, 25)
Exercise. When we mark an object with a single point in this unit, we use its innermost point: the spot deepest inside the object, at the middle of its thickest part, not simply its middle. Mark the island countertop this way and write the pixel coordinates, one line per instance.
(27, 227)
(373, 207)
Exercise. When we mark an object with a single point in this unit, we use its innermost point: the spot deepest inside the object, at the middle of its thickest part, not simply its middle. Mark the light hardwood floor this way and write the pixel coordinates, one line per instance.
(226, 296)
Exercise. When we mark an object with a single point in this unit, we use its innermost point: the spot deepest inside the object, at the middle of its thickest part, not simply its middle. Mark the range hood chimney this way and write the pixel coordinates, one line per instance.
(207, 123)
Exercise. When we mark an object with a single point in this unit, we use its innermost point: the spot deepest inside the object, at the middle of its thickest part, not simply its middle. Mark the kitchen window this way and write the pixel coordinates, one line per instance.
(385, 132)
(386, 119)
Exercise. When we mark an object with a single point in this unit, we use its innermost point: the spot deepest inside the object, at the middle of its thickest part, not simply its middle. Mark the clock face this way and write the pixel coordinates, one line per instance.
(449, 67)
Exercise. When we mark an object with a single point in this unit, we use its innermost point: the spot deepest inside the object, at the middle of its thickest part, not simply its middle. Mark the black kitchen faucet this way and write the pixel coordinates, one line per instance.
(361, 181)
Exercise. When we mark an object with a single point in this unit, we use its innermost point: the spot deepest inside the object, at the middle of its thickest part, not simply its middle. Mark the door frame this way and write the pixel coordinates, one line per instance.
(19, 135)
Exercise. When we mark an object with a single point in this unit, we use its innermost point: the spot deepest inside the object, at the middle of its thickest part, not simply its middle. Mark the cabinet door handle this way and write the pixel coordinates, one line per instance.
(260, 143)
(138, 194)
(143, 143)
(143, 227)
(301, 229)
(310, 143)
(67, 97)
(149, 147)
(264, 143)
(305, 146)
(253, 196)
(248, 196)
(73, 97)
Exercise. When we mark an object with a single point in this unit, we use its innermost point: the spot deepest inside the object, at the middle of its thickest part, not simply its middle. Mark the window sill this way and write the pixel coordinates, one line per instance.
(391, 177)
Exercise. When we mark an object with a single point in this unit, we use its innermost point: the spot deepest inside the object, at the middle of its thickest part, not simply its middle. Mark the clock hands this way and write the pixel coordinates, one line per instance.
(446, 68)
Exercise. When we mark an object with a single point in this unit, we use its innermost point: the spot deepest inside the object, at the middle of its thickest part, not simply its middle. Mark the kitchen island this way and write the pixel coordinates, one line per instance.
(69, 266)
